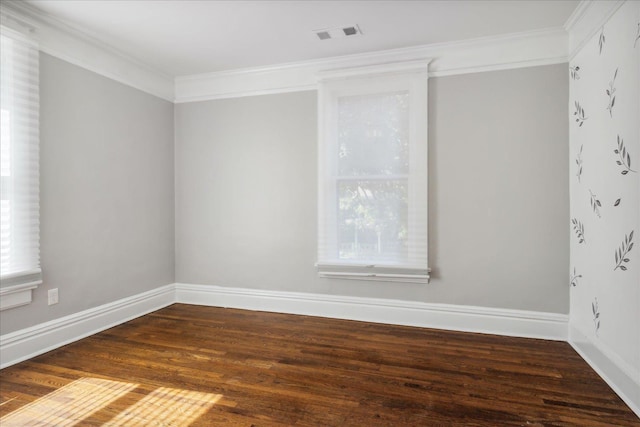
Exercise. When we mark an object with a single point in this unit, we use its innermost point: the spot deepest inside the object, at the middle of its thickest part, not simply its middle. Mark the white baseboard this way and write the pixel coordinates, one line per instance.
(618, 376)
(30, 342)
(496, 321)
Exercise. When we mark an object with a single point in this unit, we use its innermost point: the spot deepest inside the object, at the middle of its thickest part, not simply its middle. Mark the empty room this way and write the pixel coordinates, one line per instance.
(320, 213)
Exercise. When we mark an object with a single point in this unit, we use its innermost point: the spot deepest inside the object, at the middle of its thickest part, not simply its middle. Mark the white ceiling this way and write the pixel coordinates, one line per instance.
(191, 37)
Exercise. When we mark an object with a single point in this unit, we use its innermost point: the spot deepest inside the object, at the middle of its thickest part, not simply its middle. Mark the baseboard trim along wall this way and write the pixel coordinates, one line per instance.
(30, 342)
(24, 344)
(496, 321)
(622, 379)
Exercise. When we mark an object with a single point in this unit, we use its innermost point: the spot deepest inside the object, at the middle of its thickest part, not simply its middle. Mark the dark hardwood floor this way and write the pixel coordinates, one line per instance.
(203, 366)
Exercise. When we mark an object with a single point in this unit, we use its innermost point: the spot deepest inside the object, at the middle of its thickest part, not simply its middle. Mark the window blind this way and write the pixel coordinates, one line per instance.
(19, 159)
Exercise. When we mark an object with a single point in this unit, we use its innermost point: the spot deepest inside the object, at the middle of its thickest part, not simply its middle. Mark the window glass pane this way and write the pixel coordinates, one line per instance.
(372, 220)
(373, 134)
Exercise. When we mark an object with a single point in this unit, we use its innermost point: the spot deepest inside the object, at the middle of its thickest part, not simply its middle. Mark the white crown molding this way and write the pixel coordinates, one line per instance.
(621, 377)
(586, 20)
(534, 48)
(495, 321)
(30, 342)
(76, 46)
(517, 50)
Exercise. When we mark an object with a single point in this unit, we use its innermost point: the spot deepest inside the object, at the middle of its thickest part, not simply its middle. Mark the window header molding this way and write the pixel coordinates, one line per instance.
(402, 67)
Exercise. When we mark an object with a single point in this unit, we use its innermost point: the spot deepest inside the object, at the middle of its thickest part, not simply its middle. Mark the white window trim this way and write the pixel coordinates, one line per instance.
(363, 80)
(16, 287)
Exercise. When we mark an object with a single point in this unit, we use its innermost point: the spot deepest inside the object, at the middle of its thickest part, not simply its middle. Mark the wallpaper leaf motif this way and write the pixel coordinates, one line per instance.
(579, 113)
(574, 278)
(610, 169)
(595, 204)
(596, 314)
(574, 72)
(622, 254)
(579, 163)
(611, 93)
(625, 157)
(578, 227)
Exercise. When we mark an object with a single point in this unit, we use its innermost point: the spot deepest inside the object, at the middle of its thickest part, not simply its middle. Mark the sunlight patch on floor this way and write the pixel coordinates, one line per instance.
(166, 407)
(78, 400)
(68, 405)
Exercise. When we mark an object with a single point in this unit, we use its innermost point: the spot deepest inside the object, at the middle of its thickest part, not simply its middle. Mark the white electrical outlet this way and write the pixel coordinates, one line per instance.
(53, 296)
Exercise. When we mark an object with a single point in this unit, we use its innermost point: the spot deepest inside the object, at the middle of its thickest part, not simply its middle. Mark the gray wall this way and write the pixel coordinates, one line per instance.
(245, 200)
(106, 193)
(499, 203)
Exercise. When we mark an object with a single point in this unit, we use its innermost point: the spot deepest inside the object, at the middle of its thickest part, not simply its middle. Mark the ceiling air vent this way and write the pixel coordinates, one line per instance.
(338, 32)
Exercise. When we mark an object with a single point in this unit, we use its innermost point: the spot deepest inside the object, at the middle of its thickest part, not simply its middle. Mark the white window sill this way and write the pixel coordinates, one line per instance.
(402, 274)
(16, 295)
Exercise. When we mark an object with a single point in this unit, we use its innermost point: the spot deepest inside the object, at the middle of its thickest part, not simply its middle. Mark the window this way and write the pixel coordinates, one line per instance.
(19, 169)
(373, 173)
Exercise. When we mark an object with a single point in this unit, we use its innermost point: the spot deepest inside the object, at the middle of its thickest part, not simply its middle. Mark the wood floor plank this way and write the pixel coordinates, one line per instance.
(204, 366)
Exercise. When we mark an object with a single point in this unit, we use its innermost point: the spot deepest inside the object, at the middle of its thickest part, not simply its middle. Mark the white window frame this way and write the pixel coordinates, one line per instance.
(412, 77)
(22, 186)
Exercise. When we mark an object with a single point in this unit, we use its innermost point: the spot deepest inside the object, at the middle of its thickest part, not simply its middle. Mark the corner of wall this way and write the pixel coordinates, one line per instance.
(605, 191)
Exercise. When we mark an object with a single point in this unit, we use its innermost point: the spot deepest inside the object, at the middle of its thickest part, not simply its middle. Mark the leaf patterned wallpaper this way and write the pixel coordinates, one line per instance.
(604, 274)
